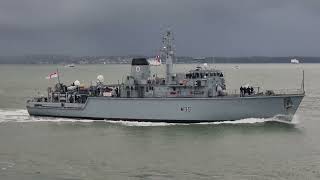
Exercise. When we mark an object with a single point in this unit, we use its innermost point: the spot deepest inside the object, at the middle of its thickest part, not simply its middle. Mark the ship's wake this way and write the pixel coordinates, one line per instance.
(21, 115)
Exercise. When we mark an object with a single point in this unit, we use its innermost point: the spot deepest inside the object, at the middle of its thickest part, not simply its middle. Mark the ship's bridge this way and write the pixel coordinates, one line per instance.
(200, 73)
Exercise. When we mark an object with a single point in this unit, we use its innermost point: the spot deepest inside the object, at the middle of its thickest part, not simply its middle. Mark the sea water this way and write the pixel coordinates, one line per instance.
(62, 148)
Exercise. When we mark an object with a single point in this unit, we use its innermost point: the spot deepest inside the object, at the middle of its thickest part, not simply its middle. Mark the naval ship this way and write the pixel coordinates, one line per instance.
(199, 95)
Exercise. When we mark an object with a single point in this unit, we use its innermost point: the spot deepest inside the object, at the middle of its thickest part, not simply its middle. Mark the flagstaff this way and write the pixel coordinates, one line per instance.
(58, 76)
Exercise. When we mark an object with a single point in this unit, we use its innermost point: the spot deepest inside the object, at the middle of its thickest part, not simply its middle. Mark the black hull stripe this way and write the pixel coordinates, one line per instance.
(136, 120)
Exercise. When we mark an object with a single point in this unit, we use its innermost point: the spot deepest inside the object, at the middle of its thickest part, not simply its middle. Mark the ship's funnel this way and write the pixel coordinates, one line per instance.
(140, 69)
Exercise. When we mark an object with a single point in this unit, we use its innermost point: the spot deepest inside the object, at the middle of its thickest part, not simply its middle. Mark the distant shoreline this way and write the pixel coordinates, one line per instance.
(162, 63)
(64, 60)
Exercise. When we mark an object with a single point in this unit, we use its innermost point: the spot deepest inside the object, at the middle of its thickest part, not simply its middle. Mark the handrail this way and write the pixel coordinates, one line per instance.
(289, 91)
(233, 92)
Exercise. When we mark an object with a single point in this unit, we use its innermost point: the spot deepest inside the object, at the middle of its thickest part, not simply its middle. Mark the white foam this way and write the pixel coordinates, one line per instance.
(137, 123)
(13, 112)
(53, 119)
(5, 165)
(21, 115)
(295, 119)
(13, 115)
(278, 118)
(242, 121)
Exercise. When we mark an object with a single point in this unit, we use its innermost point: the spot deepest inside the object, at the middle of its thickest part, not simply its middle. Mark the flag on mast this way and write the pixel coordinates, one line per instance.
(155, 61)
(158, 59)
(52, 75)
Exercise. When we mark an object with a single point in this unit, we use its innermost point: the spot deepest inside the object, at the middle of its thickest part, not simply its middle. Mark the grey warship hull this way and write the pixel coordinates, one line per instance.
(192, 110)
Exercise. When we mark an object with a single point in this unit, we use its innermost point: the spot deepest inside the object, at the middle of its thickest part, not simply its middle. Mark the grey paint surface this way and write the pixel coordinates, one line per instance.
(174, 109)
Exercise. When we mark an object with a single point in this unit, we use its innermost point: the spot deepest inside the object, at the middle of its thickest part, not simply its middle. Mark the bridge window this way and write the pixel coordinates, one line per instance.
(193, 75)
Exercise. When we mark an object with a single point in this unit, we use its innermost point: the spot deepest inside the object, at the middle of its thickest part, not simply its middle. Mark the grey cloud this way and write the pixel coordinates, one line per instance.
(121, 27)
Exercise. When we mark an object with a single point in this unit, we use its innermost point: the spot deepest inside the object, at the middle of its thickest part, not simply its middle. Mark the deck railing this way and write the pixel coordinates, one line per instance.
(259, 91)
(288, 91)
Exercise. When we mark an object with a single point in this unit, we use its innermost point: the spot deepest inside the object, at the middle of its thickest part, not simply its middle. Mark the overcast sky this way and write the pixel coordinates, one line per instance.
(124, 27)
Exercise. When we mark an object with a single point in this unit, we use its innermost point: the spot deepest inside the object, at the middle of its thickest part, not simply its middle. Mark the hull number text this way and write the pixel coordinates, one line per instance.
(186, 109)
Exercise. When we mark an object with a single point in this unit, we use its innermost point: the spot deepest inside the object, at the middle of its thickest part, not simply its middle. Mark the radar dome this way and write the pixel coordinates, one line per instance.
(77, 83)
(100, 78)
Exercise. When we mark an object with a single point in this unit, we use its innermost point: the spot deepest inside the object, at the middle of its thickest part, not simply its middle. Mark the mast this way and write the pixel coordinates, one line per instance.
(302, 84)
(168, 54)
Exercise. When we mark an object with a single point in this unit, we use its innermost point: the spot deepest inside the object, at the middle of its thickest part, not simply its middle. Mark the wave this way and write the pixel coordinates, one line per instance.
(13, 115)
(21, 115)
(5, 165)
(138, 123)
